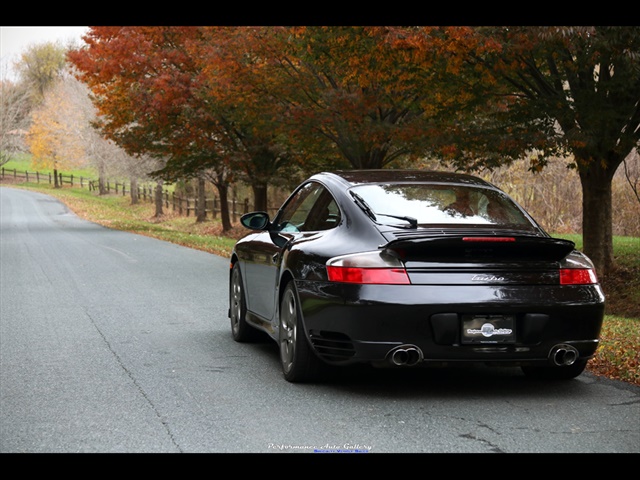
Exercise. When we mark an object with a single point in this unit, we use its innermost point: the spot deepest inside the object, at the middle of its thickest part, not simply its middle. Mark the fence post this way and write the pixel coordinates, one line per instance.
(72, 179)
(233, 209)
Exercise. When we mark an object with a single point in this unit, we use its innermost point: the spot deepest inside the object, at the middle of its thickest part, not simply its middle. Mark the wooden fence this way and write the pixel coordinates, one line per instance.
(146, 192)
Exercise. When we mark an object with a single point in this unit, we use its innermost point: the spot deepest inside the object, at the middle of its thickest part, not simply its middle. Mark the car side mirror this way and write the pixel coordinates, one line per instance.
(255, 220)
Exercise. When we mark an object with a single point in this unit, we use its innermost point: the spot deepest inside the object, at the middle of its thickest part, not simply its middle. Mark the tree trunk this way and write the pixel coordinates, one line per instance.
(158, 199)
(134, 191)
(201, 213)
(55, 178)
(223, 191)
(102, 190)
(259, 196)
(597, 232)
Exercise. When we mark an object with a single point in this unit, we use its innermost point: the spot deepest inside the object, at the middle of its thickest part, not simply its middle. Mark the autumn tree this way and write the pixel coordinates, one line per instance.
(141, 81)
(40, 65)
(165, 91)
(62, 136)
(38, 68)
(543, 93)
(234, 63)
(91, 146)
(347, 96)
(260, 103)
(14, 118)
(51, 138)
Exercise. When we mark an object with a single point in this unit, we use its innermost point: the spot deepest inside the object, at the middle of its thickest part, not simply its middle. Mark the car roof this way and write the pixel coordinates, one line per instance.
(358, 177)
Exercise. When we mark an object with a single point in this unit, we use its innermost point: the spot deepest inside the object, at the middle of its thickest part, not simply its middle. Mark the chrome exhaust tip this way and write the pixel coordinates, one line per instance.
(564, 355)
(406, 355)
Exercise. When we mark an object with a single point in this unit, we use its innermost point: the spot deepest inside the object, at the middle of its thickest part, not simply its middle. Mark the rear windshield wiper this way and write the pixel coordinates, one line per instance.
(369, 211)
(364, 206)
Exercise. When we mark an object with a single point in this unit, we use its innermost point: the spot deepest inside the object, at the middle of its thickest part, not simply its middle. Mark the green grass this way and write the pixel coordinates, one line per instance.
(625, 248)
(626, 251)
(22, 163)
(618, 356)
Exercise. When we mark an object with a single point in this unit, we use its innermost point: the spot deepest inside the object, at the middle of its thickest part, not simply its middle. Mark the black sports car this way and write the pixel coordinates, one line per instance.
(404, 268)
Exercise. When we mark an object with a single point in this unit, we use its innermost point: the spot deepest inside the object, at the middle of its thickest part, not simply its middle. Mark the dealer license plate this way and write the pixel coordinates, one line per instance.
(488, 329)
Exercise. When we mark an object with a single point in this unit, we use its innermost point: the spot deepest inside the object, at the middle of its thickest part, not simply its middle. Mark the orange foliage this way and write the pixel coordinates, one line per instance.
(53, 137)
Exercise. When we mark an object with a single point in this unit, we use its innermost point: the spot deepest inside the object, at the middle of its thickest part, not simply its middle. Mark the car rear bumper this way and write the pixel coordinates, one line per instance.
(423, 324)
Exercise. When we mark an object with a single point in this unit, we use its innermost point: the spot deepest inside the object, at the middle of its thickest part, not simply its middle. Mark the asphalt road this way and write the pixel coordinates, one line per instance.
(113, 342)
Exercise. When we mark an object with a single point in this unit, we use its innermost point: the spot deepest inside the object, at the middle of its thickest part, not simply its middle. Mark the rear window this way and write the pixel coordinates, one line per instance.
(441, 204)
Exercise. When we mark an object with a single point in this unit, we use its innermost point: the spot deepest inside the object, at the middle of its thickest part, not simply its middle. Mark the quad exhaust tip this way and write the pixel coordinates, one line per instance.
(406, 355)
(564, 355)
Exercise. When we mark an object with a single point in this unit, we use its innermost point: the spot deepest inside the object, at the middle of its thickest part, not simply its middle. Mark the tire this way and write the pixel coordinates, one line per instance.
(240, 329)
(298, 361)
(556, 373)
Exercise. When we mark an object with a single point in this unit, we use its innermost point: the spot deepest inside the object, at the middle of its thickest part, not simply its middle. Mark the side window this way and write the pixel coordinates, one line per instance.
(324, 214)
(312, 208)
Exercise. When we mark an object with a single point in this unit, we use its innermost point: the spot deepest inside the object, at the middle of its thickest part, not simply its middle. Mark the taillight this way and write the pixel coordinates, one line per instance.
(367, 268)
(577, 276)
(387, 276)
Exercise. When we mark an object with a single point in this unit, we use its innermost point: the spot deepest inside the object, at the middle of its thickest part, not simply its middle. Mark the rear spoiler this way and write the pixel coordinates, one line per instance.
(505, 247)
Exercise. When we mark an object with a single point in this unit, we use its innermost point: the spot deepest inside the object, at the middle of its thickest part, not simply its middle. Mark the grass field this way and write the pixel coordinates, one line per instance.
(618, 356)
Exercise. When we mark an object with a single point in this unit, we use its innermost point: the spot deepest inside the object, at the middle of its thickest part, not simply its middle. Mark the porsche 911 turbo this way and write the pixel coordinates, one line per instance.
(411, 268)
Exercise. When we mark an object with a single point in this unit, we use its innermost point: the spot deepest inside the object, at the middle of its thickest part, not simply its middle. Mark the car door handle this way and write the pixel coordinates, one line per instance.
(274, 258)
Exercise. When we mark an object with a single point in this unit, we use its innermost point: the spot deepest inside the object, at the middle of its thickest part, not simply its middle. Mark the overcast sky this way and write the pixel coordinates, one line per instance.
(14, 40)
